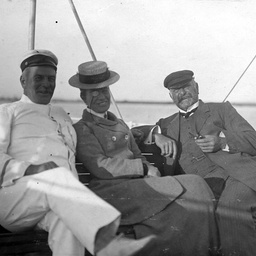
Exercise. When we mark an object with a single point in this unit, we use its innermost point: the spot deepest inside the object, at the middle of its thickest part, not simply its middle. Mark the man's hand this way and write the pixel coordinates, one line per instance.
(34, 169)
(211, 143)
(168, 146)
(153, 171)
(138, 135)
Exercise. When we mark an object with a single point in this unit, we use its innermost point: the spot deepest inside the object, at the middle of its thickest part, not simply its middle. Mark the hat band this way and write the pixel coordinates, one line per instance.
(35, 64)
(94, 79)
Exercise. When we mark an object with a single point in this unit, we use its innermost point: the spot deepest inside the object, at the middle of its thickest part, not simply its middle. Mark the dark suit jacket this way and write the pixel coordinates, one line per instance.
(108, 150)
(212, 119)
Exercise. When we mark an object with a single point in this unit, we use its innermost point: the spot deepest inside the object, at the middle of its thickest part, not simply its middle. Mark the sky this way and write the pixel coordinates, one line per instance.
(142, 40)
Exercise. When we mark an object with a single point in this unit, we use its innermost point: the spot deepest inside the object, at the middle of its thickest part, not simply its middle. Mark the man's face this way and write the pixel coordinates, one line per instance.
(39, 83)
(186, 96)
(98, 99)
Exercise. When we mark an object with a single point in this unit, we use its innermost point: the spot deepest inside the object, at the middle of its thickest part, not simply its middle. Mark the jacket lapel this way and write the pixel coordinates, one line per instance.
(174, 127)
(201, 115)
(110, 123)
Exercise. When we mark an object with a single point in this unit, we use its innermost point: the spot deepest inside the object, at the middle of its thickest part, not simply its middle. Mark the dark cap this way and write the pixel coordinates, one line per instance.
(39, 58)
(178, 79)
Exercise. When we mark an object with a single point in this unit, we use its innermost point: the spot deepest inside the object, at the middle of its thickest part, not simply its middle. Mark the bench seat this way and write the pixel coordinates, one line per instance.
(26, 243)
(34, 243)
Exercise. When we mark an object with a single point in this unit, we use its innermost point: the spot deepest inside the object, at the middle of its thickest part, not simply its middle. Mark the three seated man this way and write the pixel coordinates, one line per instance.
(177, 214)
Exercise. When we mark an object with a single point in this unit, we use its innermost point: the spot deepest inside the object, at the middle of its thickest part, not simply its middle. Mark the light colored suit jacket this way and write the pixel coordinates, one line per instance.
(34, 134)
(212, 119)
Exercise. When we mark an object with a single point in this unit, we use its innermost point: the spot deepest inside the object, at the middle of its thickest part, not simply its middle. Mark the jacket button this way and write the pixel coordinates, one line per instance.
(114, 138)
(126, 137)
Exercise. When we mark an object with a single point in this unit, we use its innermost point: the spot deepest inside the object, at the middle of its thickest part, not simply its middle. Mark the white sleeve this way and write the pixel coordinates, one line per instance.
(10, 168)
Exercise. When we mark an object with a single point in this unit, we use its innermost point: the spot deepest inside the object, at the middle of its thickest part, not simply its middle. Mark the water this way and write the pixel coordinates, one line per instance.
(144, 113)
(148, 113)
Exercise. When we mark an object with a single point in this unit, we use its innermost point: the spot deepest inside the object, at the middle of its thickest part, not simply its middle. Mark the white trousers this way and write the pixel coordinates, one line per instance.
(57, 202)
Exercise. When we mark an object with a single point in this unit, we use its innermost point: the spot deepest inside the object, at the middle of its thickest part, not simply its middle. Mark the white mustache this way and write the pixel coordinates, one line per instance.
(184, 98)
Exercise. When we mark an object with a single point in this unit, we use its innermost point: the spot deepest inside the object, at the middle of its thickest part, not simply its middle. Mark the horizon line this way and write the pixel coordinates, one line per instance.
(11, 99)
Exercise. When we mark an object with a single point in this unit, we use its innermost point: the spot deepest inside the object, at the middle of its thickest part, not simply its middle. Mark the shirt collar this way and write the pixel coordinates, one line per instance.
(26, 99)
(195, 105)
(102, 115)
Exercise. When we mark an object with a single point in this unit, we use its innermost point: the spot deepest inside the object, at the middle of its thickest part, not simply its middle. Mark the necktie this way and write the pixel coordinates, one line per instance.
(187, 114)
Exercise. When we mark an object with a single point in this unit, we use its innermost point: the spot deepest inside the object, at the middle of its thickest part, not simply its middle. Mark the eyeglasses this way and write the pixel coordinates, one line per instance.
(104, 91)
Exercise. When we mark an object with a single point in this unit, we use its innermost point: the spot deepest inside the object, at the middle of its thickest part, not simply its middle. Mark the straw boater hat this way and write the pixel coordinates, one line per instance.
(38, 57)
(93, 75)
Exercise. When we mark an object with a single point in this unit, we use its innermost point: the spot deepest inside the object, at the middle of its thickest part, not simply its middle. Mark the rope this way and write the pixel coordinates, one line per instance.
(89, 47)
(239, 78)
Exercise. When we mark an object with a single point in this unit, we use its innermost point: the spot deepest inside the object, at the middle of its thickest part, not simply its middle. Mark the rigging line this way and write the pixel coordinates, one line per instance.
(239, 78)
(82, 29)
(90, 49)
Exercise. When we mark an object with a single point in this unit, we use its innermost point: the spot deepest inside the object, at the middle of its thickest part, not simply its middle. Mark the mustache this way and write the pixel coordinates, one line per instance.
(184, 97)
(46, 91)
(102, 101)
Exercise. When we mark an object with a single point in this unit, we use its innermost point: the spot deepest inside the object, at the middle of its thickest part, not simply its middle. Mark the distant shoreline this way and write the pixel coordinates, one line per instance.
(12, 99)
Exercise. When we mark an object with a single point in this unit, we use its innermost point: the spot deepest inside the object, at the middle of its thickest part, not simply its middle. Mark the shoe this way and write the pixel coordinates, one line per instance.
(122, 246)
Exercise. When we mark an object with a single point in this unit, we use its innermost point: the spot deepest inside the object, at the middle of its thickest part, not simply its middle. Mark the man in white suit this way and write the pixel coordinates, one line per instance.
(38, 179)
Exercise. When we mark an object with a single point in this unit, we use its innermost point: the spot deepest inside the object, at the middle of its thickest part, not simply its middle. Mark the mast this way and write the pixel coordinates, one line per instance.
(32, 25)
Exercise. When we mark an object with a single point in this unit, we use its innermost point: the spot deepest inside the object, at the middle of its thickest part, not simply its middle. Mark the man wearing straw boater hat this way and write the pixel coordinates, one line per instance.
(39, 182)
(178, 210)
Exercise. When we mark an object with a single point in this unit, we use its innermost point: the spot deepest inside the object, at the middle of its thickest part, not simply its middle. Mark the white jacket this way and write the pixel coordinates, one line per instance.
(33, 134)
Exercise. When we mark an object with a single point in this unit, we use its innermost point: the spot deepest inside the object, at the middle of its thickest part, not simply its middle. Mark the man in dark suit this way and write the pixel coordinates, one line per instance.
(212, 140)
